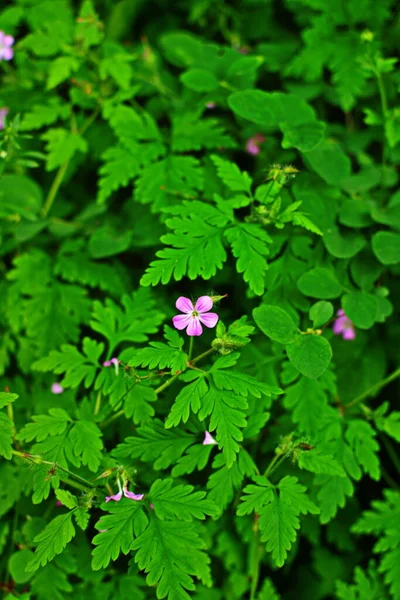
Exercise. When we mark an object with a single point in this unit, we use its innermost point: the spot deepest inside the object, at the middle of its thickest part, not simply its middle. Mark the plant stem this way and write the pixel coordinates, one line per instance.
(54, 188)
(166, 384)
(113, 417)
(191, 347)
(374, 388)
(98, 404)
(10, 412)
(255, 555)
(195, 360)
(391, 451)
(37, 459)
(385, 111)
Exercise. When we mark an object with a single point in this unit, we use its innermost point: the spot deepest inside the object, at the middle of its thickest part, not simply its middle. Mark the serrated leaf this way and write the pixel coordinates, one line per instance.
(7, 398)
(179, 502)
(85, 437)
(52, 541)
(66, 498)
(125, 521)
(170, 552)
(6, 436)
(231, 175)
(250, 246)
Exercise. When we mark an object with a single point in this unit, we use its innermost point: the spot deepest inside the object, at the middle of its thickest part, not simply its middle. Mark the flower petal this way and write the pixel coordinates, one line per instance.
(339, 325)
(194, 327)
(8, 53)
(340, 312)
(56, 388)
(203, 304)
(209, 440)
(181, 321)
(184, 304)
(8, 40)
(133, 496)
(209, 319)
(349, 333)
(116, 497)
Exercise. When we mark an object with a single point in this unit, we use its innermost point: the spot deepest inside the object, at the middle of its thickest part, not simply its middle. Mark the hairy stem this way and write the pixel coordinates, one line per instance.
(37, 459)
(51, 196)
(191, 347)
(373, 389)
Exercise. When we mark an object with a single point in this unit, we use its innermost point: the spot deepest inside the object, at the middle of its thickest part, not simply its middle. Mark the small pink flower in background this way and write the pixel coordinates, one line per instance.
(59, 503)
(210, 105)
(209, 440)
(3, 114)
(113, 361)
(131, 495)
(151, 506)
(254, 143)
(195, 315)
(6, 41)
(56, 388)
(343, 326)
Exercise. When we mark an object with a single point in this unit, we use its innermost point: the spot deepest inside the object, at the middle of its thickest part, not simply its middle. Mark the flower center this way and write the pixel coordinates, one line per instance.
(195, 313)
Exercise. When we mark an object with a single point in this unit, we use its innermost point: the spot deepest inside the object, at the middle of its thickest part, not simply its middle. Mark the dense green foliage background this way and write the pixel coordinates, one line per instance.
(247, 151)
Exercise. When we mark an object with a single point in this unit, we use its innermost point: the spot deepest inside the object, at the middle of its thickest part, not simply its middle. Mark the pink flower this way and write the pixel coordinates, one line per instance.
(195, 315)
(59, 503)
(343, 326)
(210, 105)
(253, 144)
(6, 41)
(131, 495)
(56, 388)
(3, 114)
(209, 440)
(113, 361)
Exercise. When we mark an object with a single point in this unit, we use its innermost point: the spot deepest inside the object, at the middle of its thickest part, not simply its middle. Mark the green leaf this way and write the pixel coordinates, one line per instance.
(61, 69)
(44, 114)
(386, 247)
(254, 105)
(120, 168)
(308, 400)
(320, 313)
(317, 462)
(7, 398)
(224, 481)
(17, 565)
(62, 145)
(125, 522)
(137, 403)
(320, 283)
(67, 499)
(231, 175)
(105, 242)
(6, 436)
(43, 426)
(82, 517)
(343, 245)
(275, 323)
(133, 322)
(188, 400)
(87, 444)
(361, 308)
(52, 541)
(171, 552)
(361, 437)
(250, 246)
(179, 501)
(227, 418)
(77, 368)
(330, 162)
(304, 137)
(310, 354)
(179, 174)
(278, 513)
(159, 355)
(332, 495)
(195, 249)
(199, 80)
(156, 445)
